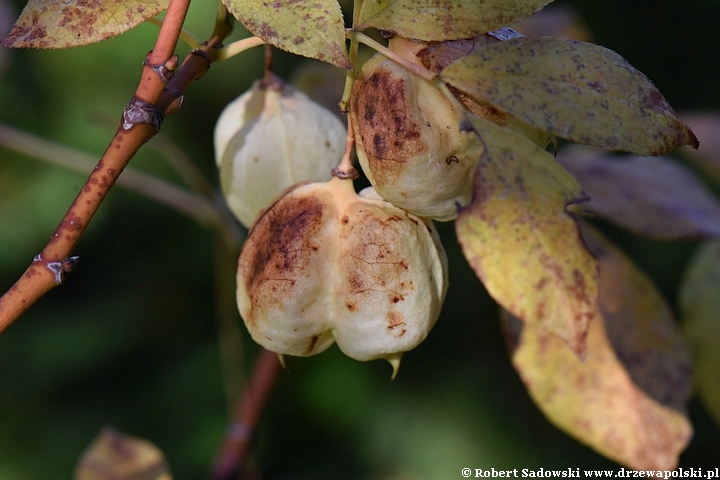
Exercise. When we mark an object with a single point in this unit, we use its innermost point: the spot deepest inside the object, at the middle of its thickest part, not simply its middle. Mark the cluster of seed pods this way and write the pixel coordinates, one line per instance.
(323, 264)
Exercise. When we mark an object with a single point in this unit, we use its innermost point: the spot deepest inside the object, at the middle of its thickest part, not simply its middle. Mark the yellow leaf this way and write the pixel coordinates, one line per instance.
(575, 90)
(312, 28)
(655, 197)
(700, 309)
(627, 399)
(438, 20)
(115, 456)
(56, 24)
(521, 242)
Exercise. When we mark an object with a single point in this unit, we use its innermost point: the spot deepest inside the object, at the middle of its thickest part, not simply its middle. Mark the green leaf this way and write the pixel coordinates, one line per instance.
(56, 24)
(627, 399)
(312, 28)
(654, 197)
(116, 456)
(575, 90)
(438, 20)
(700, 310)
(521, 242)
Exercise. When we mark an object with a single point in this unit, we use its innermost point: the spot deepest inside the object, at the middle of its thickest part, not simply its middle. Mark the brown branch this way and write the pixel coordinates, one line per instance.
(48, 268)
(247, 416)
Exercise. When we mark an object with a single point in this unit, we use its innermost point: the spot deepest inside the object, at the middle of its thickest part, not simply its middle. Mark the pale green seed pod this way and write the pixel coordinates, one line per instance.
(324, 264)
(270, 138)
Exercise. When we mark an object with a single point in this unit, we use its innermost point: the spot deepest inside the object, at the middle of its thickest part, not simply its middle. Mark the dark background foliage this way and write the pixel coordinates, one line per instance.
(130, 340)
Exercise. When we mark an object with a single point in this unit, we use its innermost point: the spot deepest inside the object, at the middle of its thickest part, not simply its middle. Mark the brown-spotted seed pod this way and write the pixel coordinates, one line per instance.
(270, 138)
(407, 132)
(324, 264)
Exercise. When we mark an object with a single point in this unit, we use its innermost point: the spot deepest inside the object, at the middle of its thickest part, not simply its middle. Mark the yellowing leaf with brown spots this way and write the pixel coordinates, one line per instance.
(655, 197)
(312, 28)
(436, 20)
(69, 23)
(627, 399)
(575, 90)
(116, 456)
(700, 311)
(521, 242)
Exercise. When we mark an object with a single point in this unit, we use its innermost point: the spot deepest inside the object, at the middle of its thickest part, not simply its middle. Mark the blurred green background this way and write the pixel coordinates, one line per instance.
(131, 341)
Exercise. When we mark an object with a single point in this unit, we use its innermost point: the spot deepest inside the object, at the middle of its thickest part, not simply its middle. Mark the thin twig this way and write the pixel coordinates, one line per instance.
(182, 164)
(239, 435)
(239, 47)
(191, 40)
(151, 85)
(229, 333)
(48, 268)
(418, 70)
(201, 209)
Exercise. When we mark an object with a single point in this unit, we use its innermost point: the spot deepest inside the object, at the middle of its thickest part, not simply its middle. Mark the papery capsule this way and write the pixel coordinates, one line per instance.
(270, 138)
(324, 264)
(407, 131)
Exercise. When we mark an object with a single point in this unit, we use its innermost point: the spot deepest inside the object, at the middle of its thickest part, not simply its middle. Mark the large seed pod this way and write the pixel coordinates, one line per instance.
(407, 132)
(325, 264)
(270, 138)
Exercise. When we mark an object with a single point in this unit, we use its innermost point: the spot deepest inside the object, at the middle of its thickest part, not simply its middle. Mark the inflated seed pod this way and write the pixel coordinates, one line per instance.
(324, 264)
(270, 138)
(407, 132)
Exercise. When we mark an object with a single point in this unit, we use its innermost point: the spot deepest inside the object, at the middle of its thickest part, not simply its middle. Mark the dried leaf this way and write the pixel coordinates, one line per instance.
(707, 128)
(56, 24)
(700, 309)
(627, 400)
(115, 456)
(437, 20)
(654, 197)
(312, 28)
(575, 90)
(521, 242)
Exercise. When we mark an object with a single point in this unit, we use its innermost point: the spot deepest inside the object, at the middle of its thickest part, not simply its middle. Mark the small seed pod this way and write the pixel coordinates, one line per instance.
(407, 132)
(270, 138)
(324, 264)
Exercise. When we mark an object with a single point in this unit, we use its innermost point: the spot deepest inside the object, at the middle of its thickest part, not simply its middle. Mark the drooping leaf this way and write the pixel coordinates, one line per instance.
(575, 90)
(707, 128)
(700, 311)
(116, 456)
(521, 242)
(627, 399)
(437, 20)
(312, 28)
(654, 197)
(69, 23)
